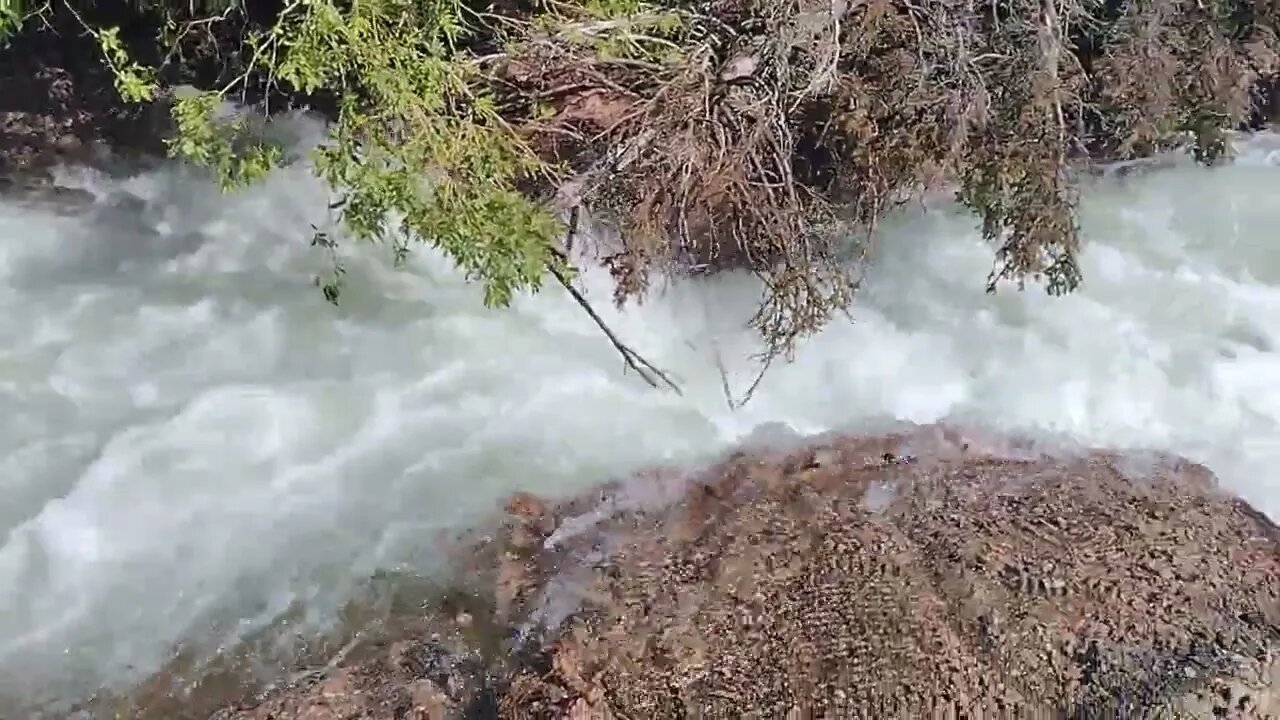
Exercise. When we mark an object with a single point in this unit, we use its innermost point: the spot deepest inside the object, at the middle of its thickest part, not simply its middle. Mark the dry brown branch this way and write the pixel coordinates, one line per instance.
(645, 369)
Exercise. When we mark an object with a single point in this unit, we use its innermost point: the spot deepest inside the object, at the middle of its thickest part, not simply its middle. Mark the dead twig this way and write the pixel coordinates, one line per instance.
(766, 360)
(634, 360)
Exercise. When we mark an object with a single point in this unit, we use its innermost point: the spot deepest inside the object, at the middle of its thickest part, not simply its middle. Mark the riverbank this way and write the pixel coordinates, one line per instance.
(931, 570)
(797, 121)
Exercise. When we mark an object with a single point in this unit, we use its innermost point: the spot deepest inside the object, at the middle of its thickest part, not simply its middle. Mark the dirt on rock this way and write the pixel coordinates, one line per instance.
(926, 573)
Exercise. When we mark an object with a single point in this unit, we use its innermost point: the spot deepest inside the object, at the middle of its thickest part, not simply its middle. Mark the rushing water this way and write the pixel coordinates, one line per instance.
(191, 435)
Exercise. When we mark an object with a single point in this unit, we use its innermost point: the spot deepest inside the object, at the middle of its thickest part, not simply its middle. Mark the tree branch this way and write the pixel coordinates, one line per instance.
(645, 369)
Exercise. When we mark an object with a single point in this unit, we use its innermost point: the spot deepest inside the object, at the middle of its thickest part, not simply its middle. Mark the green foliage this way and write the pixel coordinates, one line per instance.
(135, 83)
(624, 29)
(418, 149)
(12, 14)
(220, 145)
(417, 140)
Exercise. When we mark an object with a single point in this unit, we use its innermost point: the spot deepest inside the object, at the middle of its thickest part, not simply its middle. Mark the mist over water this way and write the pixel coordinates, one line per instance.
(192, 440)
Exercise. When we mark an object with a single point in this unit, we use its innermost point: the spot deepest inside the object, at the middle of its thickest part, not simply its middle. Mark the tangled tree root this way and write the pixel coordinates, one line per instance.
(756, 133)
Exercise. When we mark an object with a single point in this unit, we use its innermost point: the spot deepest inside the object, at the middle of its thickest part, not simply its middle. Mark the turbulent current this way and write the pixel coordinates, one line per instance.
(193, 440)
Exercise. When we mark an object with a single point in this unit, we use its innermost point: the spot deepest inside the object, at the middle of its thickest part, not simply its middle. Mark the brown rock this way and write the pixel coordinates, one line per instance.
(429, 701)
(929, 573)
(316, 712)
(582, 710)
(339, 685)
(1253, 694)
(986, 578)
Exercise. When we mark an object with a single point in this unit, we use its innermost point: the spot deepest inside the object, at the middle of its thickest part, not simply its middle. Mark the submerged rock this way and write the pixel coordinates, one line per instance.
(927, 573)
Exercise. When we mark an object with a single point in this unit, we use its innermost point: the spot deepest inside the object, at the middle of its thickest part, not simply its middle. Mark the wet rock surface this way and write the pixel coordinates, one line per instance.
(50, 117)
(929, 573)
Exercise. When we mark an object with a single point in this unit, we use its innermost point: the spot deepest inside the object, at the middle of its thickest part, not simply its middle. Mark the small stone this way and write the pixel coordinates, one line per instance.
(337, 685)
(317, 712)
(399, 652)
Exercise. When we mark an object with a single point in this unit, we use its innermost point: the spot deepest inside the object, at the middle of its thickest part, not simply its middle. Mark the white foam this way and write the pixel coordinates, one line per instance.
(192, 436)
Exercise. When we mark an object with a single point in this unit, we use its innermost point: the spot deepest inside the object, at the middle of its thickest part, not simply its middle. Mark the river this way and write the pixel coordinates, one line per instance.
(192, 440)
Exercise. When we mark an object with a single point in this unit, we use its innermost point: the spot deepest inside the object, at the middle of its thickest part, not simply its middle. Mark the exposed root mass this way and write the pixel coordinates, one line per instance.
(769, 135)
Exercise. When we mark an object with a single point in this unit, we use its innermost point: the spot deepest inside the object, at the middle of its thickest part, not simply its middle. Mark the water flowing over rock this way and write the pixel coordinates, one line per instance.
(932, 572)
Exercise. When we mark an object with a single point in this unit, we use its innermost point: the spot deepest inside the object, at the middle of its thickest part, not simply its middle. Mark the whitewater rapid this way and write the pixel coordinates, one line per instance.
(191, 438)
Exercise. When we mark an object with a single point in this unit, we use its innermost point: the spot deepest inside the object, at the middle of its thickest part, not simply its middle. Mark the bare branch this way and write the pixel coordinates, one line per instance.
(650, 373)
